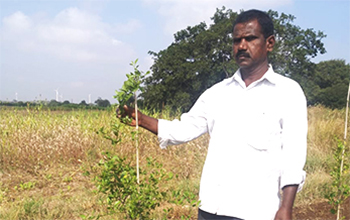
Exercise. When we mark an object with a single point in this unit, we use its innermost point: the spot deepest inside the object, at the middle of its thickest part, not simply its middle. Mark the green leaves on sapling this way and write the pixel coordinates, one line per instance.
(340, 188)
(131, 86)
(118, 180)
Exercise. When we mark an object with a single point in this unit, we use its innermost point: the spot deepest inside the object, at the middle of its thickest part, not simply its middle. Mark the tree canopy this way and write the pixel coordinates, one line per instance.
(198, 58)
(330, 84)
(102, 102)
(201, 56)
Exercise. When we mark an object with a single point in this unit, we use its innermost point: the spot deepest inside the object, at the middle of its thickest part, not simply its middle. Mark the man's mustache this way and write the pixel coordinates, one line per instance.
(242, 53)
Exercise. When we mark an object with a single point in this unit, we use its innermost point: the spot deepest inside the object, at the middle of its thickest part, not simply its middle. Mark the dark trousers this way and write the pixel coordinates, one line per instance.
(202, 215)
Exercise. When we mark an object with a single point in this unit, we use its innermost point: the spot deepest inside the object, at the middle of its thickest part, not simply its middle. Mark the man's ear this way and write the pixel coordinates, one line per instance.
(270, 42)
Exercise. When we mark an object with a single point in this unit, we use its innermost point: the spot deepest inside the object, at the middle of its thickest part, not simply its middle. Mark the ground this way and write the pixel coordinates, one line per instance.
(320, 211)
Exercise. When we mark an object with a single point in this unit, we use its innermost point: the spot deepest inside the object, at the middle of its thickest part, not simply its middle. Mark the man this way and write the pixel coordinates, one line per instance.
(257, 121)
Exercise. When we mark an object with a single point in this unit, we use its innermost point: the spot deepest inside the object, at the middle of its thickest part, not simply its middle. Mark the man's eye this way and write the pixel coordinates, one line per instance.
(236, 41)
(250, 38)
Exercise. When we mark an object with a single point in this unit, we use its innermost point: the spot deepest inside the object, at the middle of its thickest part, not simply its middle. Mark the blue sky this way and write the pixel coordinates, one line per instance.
(83, 48)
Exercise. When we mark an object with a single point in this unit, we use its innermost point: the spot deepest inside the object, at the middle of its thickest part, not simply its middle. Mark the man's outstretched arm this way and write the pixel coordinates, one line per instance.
(144, 121)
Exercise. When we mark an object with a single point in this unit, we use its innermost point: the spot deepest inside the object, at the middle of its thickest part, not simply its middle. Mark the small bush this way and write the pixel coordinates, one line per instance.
(118, 181)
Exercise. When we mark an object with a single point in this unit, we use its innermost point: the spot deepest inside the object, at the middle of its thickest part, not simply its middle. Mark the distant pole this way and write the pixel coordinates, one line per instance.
(56, 95)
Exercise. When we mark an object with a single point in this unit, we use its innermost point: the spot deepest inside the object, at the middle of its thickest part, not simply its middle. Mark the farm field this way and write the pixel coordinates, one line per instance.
(49, 160)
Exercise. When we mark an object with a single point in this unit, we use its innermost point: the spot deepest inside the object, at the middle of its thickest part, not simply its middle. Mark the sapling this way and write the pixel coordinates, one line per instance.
(118, 179)
(129, 89)
(340, 189)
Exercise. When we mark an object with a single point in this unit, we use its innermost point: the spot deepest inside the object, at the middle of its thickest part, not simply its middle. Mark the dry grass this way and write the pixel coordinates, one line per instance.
(325, 126)
(43, 156)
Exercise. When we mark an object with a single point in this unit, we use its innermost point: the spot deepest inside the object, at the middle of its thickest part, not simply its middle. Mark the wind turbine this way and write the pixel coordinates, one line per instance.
(89, 99)
(56, 90)
(56, 94)
(16, 94)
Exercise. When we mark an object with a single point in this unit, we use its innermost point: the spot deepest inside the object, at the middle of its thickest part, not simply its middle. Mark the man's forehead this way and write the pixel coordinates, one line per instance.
(247, 27)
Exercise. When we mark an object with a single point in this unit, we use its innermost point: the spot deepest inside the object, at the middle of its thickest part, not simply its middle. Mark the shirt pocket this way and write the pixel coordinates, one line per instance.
(264, 131)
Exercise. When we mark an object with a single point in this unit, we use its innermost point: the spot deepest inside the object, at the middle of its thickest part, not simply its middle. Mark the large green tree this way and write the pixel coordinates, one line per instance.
(331, 83)
(201, 56)
(198, 58)
(293, 52)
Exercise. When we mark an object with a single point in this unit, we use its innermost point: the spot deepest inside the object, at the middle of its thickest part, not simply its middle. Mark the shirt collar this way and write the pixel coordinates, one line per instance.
(270, 76)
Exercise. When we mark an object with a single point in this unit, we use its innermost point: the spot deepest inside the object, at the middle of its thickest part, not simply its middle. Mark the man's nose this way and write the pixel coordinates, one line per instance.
(242, 45)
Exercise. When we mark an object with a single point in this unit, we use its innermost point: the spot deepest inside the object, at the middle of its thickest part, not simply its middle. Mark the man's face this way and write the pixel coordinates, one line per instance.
(249, 44)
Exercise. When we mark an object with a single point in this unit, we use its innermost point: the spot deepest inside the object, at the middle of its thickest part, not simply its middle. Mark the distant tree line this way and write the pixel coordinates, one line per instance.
(201, 56)
(53, 104)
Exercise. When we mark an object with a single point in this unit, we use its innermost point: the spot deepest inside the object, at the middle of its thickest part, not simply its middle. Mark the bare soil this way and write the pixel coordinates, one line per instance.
(320, 211)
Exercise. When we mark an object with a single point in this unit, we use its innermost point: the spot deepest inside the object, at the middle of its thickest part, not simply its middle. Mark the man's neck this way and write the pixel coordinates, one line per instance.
(250, 75)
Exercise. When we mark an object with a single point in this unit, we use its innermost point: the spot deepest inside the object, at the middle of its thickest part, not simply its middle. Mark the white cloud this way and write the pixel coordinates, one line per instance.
(73, 49)
(178, 14)
(76, 18)
(17, 22)
(73, 35)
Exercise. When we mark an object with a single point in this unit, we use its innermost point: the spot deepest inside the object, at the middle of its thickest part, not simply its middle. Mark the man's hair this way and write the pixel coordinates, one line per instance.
(263, 19)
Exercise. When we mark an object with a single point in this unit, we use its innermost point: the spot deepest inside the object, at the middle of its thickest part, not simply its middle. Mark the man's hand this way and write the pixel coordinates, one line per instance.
(283, 214)
(129, 112)
(144, 121)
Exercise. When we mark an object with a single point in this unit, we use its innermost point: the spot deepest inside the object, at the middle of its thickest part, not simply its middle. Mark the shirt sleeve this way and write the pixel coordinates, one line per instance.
(190, 126)
(294, 137)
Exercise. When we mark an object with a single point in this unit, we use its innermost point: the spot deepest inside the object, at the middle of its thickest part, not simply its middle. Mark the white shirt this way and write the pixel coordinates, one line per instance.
(258, 140)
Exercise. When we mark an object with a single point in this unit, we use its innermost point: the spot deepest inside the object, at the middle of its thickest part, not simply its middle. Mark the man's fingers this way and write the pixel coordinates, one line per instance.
(117, 112)
(128, 111)
(121, 113)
